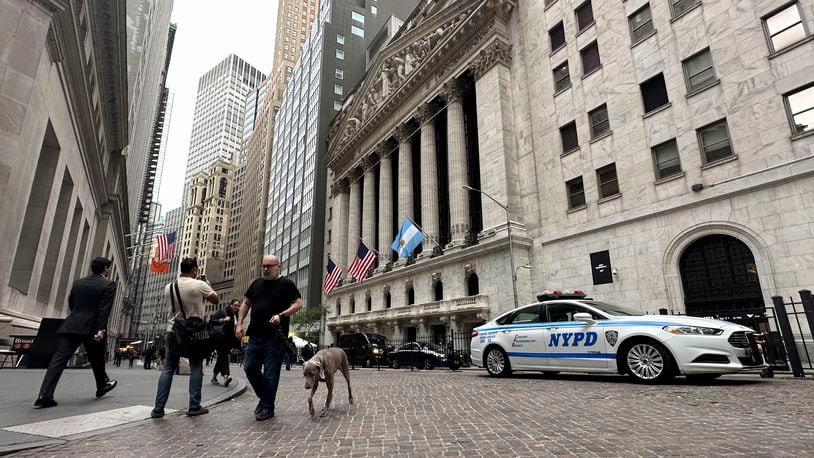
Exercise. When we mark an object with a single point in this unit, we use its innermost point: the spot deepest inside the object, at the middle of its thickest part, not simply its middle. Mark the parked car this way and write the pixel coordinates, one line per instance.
(575, 334)
(366, 349)
(417, 354)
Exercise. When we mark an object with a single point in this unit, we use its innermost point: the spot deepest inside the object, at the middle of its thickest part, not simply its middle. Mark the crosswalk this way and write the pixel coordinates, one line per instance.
(77, 424)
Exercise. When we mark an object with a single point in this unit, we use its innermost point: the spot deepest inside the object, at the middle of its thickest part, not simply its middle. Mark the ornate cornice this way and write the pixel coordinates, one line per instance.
(403, 132)
(369, 162)
(425, 112)
(453, 91)
(54, 6)
(497, 52)
(341, 186)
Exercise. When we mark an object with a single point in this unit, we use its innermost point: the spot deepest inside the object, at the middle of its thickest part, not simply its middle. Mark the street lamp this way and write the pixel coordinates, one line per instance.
(509, 232)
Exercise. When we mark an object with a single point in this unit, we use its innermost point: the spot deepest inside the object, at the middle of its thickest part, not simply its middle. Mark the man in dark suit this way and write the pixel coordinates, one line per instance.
(90, 302)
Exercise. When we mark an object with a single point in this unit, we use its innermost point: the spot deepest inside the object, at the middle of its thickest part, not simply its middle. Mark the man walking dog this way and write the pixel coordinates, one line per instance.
(273, 300)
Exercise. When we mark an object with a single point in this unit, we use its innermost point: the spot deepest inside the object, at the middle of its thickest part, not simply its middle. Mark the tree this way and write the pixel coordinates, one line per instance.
(309, 319)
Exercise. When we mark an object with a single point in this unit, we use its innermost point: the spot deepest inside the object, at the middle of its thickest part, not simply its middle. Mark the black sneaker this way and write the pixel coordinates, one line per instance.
(157, 413)
(215, 380)
(198, 411)
(227, 381)
(44, 403)
(263, 414)
(108, 386)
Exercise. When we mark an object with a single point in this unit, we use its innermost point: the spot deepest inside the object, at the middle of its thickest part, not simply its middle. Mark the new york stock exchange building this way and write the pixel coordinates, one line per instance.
(632, 155)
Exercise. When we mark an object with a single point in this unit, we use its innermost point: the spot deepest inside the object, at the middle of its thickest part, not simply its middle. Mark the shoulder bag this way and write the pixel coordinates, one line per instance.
(194, 337)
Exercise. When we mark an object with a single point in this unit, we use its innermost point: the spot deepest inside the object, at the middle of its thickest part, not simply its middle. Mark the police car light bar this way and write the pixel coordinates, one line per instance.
(557, 294)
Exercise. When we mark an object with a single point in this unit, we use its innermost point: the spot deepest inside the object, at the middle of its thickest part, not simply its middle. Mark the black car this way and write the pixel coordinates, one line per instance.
(418, 354)
(367, 349)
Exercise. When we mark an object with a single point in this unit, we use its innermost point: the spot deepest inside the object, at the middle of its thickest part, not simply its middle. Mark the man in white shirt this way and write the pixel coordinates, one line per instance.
(193, 293)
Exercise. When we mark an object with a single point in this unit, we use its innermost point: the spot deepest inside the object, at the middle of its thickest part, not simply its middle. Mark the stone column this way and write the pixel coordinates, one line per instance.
(405, 172)
(369, 202)
(339, 222)
(453, 92)
(429, 178)
(354, 221)
(386, 231)
(499, 174)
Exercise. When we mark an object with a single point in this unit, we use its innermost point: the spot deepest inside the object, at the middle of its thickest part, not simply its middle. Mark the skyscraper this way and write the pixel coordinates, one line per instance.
(333, 59)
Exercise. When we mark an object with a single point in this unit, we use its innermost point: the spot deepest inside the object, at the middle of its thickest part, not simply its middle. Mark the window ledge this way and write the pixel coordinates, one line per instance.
(563, 90)
(643, 39)
(576, 209)
(703, 88)
(669, 178)
(592, 72)
(657, 110)
(719, 162)
(601, 136)
(570, 151)
(587, 27)
(549, 6)
(558, 49)
(609, 198)
(686, 12)
(802, 135)
(790, 47)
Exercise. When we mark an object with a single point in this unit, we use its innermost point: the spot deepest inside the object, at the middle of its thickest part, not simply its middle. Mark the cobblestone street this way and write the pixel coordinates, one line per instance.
(466, 413)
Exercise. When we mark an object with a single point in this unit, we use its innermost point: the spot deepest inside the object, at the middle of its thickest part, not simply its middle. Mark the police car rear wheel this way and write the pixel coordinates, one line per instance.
(497, 363)
(648, 362)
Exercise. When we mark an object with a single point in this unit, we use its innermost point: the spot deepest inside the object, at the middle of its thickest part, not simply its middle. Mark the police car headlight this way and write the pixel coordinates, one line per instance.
(693, 330)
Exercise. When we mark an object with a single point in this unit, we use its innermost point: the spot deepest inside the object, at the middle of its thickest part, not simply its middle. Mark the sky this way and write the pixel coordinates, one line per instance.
(208, 31)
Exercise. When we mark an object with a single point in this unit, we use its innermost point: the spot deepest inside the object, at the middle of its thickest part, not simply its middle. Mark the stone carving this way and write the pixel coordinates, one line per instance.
(370, 161)
(453, 91)
(408, 283)
(386, 289)
(403, 132)
(469, 268)
(496, 52)
(340, 186)
(425, 112)
(436, 276)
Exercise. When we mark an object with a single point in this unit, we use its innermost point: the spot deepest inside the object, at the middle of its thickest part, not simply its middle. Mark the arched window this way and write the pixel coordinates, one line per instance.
(387, 300)
(338, 308)
(439, 290)
(410, 296)
(369, 303)
(472, 285)
(352, 306)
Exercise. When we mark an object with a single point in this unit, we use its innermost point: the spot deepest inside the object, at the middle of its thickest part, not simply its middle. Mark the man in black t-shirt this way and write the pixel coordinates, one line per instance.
(273, 300)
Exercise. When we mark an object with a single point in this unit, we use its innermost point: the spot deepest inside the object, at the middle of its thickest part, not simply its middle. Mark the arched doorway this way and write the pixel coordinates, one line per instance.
(720, 280)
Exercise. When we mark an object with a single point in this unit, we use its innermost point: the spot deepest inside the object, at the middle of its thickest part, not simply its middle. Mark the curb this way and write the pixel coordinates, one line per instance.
(240, 387)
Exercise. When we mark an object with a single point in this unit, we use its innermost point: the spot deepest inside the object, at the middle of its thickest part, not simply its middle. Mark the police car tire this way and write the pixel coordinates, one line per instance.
(507, 370)
(667, 371)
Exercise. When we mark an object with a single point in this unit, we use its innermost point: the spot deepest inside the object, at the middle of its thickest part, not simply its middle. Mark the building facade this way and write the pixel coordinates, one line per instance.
(63, 182)
(656, 155)
(333, 59)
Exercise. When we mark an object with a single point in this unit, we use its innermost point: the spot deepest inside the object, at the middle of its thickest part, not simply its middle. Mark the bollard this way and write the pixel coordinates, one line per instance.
(788, 337)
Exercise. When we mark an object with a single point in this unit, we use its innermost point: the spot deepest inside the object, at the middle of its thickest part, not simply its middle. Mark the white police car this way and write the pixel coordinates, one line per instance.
(568, 332)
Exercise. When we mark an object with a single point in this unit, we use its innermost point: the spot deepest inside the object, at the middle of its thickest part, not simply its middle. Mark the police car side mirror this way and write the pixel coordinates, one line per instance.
(583, 316)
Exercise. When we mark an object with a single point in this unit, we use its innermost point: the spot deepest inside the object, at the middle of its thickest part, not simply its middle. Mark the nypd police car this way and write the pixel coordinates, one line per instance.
(569, 332)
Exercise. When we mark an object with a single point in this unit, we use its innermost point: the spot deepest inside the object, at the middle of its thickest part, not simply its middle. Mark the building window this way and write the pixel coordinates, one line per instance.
(339, 73)
(680, 6)
(562, 79)
(585, 16)
(576, 193)
(569, 138)
(359, 32)
(373, 10)
(340, 54)
(698, 71)
(666, 160)
(549, 3)
(339, 89)
(714, 140)
(357, 17)
(557, 37)
(784, 27)
(608, 183)
(654, 93)
(337, 105)
(599, 121)
(590, 58)
(340, 39)
(641, 23)
(800, 107)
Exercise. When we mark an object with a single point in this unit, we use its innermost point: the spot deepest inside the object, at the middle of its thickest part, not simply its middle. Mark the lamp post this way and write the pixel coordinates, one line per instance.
(509, 233)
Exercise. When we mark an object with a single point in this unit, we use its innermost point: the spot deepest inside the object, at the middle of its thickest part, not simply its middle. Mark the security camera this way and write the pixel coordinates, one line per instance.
(614, 272)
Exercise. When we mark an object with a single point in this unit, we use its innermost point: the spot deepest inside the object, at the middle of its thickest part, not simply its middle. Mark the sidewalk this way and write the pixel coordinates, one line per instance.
(129, 402)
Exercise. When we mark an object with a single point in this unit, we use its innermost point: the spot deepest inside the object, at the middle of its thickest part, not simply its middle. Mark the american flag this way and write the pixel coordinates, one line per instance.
(166, 246)
(362, 262)
(332, 279)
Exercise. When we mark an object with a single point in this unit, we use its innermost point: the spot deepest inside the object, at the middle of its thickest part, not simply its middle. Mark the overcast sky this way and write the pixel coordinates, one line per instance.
(208, 31)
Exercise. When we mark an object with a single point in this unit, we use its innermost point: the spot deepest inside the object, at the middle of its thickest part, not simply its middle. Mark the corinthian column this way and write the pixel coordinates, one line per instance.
(386, 231)
(369, 202)
(405, 173)
(429, 177)
(354, 222)
(456, 146)
(339, 233)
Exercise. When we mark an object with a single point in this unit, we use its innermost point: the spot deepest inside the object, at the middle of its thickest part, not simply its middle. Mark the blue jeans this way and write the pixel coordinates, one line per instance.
(265, 352)
(170, 366)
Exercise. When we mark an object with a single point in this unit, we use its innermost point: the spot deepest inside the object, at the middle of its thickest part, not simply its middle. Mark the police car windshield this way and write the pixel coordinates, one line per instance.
(612, 309)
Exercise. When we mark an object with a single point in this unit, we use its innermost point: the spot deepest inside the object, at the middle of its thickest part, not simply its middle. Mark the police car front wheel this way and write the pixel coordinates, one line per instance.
(648, 362)
(497, 363)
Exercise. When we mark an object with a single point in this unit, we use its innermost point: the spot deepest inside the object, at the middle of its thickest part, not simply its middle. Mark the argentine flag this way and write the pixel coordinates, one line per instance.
(409, 237)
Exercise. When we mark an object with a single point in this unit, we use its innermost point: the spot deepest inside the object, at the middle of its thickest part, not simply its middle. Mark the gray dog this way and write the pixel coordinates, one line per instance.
(322, 368)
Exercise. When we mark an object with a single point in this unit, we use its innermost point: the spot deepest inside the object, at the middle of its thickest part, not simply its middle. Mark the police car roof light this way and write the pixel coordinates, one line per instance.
(557, 294)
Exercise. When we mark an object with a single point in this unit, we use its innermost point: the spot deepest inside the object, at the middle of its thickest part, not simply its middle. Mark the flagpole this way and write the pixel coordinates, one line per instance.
(424, 232)
(370, 247)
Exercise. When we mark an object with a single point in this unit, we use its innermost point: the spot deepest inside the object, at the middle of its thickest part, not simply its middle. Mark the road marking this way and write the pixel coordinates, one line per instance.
(77, 424)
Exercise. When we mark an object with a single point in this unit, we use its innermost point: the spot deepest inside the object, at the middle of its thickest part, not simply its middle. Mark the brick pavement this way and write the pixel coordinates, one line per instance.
(439, 413)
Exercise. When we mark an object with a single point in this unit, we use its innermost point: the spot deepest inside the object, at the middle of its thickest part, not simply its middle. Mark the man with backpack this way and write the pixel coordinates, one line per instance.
(186, 296)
